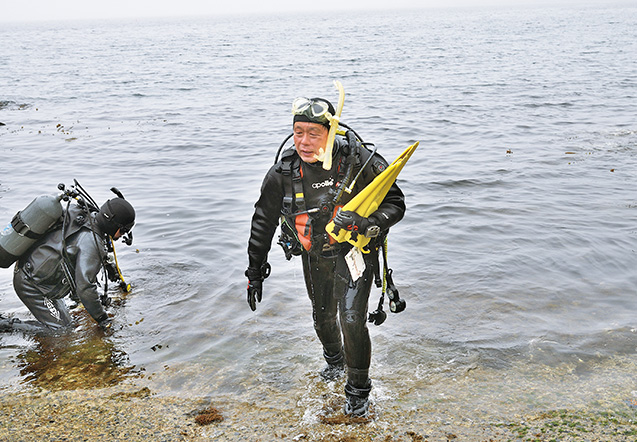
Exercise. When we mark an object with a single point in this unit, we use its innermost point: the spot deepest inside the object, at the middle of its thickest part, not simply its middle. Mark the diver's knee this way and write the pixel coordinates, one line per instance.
(353, 318)
(326, 325)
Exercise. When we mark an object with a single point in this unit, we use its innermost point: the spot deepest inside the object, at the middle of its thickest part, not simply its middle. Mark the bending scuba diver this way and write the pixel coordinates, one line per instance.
(300, 193)
(65, 257)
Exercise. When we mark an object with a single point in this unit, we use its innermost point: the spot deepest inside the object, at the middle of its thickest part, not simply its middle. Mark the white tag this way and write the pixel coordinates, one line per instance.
(355, 262)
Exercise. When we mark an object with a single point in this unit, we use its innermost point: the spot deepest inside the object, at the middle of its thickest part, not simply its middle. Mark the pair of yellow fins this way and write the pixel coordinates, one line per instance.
(368, 200)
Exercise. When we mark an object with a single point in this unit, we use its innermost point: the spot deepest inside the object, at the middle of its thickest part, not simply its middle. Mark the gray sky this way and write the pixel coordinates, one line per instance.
(32, 10)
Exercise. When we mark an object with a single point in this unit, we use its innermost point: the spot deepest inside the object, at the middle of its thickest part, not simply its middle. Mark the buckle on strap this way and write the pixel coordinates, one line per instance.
(22, 228)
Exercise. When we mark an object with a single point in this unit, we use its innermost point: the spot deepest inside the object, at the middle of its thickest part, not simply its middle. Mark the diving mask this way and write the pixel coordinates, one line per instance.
(316, 110)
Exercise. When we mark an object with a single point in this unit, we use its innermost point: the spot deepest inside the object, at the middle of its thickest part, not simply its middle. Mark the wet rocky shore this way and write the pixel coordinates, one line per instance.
(130, 413)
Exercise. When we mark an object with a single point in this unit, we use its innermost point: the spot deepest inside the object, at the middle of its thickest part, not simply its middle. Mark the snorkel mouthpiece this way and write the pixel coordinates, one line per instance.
(128, 238)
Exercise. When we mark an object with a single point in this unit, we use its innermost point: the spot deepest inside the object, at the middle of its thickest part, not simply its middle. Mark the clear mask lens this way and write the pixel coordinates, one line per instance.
(300, 105)
(318, 108)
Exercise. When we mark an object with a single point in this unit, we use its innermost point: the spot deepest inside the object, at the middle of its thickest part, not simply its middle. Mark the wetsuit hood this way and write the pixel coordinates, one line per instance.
(116, 213)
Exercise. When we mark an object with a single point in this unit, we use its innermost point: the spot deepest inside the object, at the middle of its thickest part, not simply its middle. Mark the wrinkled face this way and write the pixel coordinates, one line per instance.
(308, 139)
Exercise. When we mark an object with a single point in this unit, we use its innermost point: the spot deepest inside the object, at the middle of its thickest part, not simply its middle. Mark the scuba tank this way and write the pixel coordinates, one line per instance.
(27, 226)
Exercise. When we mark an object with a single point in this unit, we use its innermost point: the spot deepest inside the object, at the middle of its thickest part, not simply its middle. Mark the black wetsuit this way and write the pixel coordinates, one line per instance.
(39, 278)
(339, 305)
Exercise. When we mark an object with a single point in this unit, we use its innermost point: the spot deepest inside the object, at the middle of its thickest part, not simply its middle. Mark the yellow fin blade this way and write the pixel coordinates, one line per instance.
(367, 200)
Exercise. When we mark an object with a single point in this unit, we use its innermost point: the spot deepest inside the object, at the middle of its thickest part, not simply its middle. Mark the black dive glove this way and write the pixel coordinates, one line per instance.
(353, 222)
(255, 284)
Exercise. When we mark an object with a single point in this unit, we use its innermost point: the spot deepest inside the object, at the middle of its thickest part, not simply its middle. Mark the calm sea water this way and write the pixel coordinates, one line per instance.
(517, 256)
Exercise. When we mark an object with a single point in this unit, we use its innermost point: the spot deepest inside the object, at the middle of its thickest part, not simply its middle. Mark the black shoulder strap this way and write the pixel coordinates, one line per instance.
(294, 198)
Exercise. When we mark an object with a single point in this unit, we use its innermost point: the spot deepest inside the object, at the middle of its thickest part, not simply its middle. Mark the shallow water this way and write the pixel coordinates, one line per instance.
(517, 256)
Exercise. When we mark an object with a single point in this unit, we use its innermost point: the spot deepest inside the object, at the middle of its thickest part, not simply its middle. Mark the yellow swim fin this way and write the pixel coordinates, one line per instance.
(368, 200)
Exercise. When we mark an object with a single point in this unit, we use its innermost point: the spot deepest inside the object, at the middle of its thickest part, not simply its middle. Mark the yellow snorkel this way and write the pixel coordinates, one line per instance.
(325, 155)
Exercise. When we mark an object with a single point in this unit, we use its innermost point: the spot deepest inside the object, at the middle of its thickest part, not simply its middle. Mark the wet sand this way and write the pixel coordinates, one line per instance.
(130, 413)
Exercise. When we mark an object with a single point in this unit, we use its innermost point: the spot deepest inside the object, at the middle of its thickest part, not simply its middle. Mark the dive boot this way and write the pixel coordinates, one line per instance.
(335, 367)
(357, 400)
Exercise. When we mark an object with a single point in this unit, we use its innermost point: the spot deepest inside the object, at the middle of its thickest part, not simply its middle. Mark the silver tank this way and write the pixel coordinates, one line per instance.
(27, 226)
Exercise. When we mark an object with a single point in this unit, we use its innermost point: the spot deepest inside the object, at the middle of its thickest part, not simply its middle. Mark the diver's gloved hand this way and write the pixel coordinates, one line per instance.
(255, 293)
(255, 284)
(352, 221)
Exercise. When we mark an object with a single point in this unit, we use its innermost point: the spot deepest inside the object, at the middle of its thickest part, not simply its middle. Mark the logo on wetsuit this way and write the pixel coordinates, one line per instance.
(326, 183)
(52, 309)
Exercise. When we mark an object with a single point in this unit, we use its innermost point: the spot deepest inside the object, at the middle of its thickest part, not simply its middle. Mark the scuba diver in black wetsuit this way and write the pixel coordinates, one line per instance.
(298, 192)
(66, 259)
